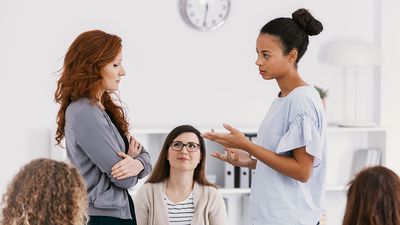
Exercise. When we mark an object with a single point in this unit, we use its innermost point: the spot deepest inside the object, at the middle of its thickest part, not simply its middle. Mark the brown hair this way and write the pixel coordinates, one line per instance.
(80, 76)
(373, 198)
(162, 168)
(43, 192)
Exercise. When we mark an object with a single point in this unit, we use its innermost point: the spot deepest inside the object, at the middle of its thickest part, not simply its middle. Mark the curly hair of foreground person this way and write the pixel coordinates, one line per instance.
(47, 192)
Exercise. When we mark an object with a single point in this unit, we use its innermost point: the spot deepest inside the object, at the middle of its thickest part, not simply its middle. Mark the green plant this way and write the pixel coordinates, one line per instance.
(323, 93)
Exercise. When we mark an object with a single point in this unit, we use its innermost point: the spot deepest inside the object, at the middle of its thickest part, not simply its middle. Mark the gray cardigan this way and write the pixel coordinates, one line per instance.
(151, 209)
(92, 143)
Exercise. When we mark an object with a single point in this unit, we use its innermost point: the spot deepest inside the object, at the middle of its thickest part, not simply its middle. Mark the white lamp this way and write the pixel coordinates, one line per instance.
(351, 55)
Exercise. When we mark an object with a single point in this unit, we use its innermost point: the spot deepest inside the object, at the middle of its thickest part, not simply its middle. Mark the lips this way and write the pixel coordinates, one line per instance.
(262, 72)
(183, 159)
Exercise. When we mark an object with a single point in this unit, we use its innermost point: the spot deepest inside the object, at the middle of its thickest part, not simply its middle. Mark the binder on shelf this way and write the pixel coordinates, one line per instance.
(237, 177)
(229, 176)
(364, 158)
(244, 177)
(252, 172)
(252, 176)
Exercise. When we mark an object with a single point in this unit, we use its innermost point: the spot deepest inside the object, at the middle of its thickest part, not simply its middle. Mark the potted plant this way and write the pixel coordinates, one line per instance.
(323, 93)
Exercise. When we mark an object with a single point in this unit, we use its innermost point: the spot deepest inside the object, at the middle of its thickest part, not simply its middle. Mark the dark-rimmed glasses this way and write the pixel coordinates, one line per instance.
(190, 146)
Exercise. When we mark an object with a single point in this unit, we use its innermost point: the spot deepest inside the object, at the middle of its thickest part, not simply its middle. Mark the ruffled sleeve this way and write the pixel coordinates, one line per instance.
(303, 131)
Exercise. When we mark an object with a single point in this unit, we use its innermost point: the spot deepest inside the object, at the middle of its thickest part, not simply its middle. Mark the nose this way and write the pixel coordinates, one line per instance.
(258, 61)
(122, 71)
(184, 148)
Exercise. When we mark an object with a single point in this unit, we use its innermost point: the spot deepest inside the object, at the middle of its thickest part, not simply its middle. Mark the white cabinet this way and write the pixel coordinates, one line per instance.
(342, 143)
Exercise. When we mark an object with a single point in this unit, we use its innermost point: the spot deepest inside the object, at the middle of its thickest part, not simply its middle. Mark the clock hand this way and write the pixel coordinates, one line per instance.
(205, 14)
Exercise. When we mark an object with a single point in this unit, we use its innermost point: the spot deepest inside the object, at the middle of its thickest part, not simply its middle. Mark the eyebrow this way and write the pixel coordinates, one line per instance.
(263, 51)
(187, 142)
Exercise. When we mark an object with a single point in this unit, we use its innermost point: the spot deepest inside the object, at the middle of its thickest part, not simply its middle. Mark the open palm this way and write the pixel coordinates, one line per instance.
(235, 157)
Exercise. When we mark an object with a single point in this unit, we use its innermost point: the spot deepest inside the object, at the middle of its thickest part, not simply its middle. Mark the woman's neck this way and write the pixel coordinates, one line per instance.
(98, 100)
(289, 82)
(179, 185)
(100, 105)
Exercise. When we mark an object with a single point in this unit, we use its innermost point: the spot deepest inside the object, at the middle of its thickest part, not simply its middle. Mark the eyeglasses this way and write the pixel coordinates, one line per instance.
(190, 146)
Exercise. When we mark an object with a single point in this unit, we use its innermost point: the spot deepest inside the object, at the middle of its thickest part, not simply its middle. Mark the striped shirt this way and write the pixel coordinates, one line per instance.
(180, 213)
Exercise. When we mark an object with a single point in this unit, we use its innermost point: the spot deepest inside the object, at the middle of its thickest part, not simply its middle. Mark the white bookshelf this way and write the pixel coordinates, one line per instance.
(233, 191)
(342, 142)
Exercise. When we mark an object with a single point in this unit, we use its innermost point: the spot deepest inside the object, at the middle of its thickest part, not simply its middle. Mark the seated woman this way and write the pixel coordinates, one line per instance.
(177, 190)
(373, 198)
(45, 192)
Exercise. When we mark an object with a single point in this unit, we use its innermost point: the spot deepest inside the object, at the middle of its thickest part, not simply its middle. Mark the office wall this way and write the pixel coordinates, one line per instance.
(212, 74)
(390, 109)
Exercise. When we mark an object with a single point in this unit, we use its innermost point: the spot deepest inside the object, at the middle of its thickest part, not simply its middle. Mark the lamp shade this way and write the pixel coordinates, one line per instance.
(352, 53)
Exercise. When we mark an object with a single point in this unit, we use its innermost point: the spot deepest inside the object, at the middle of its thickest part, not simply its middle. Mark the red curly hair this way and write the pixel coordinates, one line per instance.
(80, 76)
(45, 192)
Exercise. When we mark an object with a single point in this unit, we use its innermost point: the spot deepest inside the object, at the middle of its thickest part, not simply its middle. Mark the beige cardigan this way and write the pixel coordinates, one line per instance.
(150, 207)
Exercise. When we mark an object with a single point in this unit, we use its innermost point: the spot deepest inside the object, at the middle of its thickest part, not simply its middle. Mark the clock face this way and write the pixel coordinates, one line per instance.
(204, 15)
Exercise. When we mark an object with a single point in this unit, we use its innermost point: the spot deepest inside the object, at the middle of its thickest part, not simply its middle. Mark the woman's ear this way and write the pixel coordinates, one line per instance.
(293, 54)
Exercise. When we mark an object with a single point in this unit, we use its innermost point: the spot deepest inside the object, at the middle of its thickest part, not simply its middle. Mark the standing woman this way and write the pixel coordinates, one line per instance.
(177, 191)
(95, 127)
(289, 156)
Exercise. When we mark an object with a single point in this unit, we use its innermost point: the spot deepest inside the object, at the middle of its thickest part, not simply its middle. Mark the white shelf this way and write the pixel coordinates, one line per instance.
(166, 130)
(329, 188)
(335, 187)
(234, 191)
(330, 129)
(336, 129)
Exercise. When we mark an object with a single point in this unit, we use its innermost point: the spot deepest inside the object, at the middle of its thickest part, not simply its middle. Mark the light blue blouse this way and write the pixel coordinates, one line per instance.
(293, 121)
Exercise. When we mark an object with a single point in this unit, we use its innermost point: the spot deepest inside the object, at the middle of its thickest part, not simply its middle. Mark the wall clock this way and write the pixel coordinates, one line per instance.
(204, 15)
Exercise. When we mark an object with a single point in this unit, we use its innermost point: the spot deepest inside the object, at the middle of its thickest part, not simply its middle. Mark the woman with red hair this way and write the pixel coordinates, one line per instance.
(95, 127)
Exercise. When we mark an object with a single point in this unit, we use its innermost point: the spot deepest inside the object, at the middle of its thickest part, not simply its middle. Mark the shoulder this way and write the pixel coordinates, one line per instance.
(157, 185)
(83, 110)
(211, 189)
(205, 191)
(82, 104)
(305, 100)
(304, 93)
(151, 188)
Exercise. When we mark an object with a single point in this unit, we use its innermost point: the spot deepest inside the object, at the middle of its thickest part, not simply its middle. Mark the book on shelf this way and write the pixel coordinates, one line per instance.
(364, 158)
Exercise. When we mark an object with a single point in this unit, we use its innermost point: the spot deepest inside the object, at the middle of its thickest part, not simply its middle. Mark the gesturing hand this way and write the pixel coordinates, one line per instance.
(134, 147)
(127, 167)
(235, 157)
(234, 139)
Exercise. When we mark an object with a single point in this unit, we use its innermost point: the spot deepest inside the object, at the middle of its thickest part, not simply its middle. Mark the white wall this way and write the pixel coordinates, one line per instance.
(391, 81)
(166, 60)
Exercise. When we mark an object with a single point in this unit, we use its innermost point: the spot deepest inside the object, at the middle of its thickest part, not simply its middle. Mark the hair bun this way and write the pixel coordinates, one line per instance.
(307, 22)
